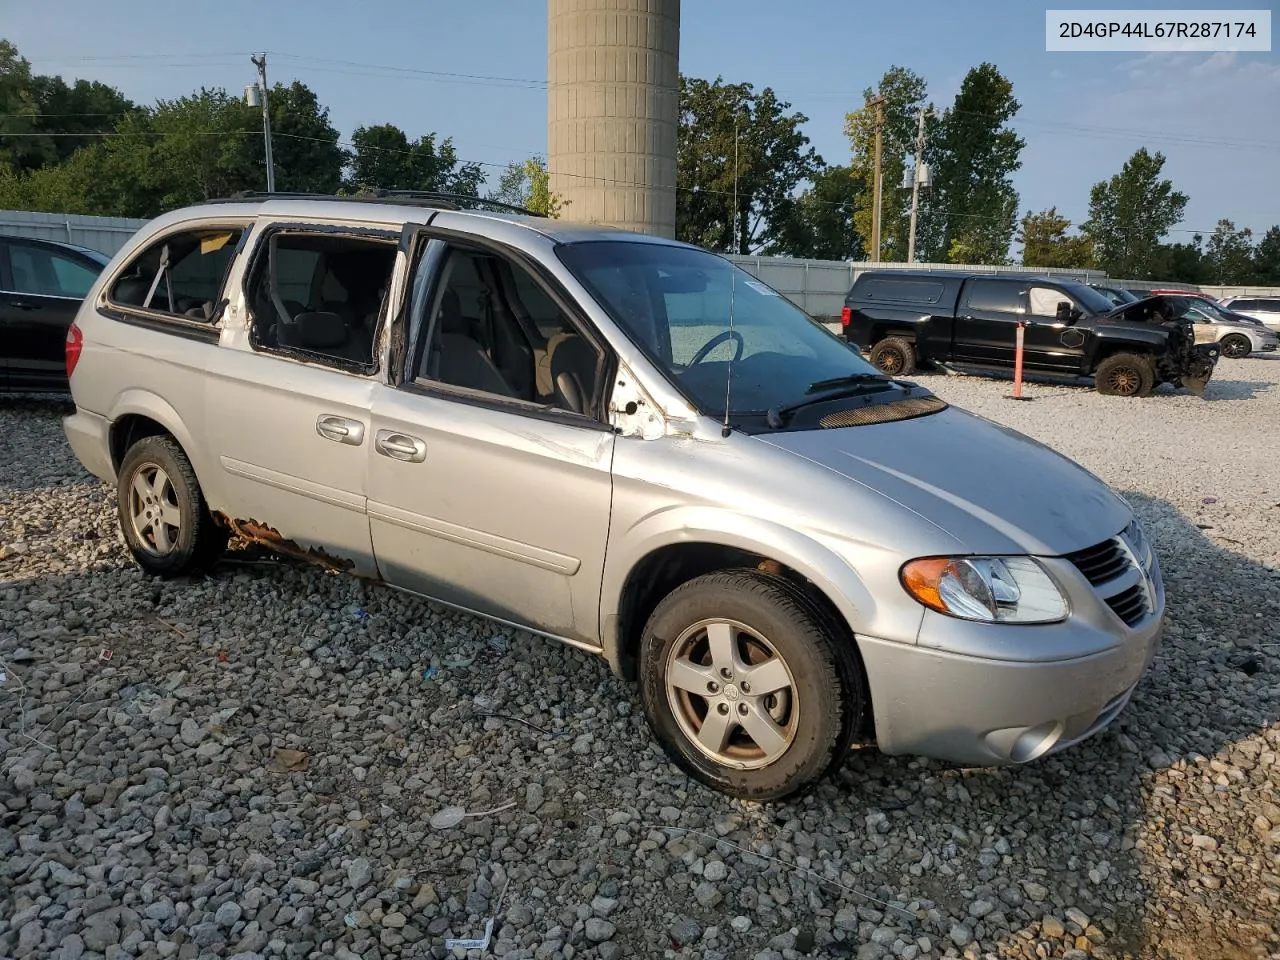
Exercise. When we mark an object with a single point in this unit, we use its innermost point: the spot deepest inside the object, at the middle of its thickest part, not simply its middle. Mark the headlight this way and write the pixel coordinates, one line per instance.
(990, 589)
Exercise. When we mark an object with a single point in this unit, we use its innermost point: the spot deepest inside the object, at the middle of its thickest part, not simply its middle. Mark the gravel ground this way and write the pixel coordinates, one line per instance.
(262, 766)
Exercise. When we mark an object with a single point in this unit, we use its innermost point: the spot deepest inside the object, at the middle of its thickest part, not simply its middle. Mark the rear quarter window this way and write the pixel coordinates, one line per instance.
(902, 291)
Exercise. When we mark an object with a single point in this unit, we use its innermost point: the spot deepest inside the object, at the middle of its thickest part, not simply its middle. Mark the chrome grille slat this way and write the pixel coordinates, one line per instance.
(1130, 605)
(1102, 562)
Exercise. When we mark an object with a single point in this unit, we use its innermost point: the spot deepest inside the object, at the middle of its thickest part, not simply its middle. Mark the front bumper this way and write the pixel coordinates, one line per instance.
(995, 707)
(90, 438)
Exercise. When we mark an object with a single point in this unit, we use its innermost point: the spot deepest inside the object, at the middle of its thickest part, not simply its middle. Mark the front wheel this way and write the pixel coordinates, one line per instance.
(1235, 346)
(1125, 375)
(747, 687)
(163, 515)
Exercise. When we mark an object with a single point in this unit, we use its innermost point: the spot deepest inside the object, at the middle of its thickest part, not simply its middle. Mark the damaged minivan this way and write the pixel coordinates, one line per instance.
(624, 443)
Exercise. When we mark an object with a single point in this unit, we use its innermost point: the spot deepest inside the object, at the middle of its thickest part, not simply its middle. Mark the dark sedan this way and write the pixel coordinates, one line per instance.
(42, 283)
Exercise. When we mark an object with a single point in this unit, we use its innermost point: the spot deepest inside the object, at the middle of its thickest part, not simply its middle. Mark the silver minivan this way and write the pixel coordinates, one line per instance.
(624, 443)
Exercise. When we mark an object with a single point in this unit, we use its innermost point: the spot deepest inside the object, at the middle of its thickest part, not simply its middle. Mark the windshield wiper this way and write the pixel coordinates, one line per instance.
(831, 389)
(846, 380)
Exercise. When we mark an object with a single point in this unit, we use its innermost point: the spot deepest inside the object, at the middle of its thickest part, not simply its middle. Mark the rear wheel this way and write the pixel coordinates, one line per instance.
(1125, 375)
(1235, 346)
(894, 356)
(746, 686)
(163, 516)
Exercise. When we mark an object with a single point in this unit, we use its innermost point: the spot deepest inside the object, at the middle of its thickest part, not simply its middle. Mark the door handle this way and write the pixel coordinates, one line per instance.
(401, 446)
(24, 305)
(340, 429)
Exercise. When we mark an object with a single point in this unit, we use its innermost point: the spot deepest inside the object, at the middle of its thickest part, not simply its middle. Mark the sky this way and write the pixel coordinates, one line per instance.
(1216, 117)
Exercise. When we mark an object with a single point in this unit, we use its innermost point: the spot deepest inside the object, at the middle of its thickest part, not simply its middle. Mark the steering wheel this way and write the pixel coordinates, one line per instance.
(715, 341)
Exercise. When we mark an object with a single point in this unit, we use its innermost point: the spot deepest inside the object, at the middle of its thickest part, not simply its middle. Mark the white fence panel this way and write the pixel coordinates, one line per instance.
(107, 234)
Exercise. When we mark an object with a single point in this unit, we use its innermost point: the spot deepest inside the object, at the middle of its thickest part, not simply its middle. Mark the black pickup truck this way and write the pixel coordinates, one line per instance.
(904, 319)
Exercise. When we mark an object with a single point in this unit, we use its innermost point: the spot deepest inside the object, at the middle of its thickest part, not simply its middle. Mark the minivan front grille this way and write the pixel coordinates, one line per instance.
(1102, 562)
(1130, 605)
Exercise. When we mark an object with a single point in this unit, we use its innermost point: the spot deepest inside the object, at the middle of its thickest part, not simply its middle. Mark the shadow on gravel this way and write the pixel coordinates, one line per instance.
(1237, 389)
(1139, 840)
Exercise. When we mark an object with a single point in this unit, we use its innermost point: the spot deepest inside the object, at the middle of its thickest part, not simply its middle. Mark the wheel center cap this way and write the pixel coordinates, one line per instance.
(731, 693)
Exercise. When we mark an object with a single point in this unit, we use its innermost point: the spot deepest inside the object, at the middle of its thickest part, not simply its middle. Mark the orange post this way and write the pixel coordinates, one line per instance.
(1017, 363)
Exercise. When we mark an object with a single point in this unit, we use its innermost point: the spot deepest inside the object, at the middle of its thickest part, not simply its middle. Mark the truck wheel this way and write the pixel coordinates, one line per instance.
(894, 356)
(1235, 346)
(1125, 375)
(163, 516)
(745, 688)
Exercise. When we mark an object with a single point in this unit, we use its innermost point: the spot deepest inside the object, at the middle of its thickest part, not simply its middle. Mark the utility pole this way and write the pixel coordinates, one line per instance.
(915, 189)
(261, 63)
(878, 103)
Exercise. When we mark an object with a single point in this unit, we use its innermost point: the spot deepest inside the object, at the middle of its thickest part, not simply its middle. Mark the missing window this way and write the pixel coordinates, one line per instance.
(320, 295)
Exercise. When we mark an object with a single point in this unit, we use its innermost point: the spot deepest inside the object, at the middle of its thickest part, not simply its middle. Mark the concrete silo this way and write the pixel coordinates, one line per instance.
(612, 108)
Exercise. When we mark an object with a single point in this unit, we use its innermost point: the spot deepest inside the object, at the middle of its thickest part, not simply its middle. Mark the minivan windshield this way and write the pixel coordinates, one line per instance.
(675, 303)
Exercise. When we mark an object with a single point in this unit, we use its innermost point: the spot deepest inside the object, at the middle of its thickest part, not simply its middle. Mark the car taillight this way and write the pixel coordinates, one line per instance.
(846, 315)
(75, 340)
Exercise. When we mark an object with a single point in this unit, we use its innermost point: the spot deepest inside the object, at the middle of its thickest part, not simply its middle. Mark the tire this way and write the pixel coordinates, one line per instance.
(1235, 346)
(894, 356)
(178, 536)
(812, 714)
(1125, 375)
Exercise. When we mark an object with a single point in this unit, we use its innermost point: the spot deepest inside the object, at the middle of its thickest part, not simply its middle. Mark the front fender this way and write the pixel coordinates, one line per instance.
(867, 596)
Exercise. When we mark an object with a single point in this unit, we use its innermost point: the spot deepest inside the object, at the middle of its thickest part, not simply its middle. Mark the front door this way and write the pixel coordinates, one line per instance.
(289, 396)
(40, 292)
(1049, 343)
(489, 464)
(987, 321)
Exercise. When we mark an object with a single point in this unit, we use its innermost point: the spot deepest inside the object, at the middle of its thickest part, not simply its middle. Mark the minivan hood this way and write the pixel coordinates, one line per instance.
(990, 487)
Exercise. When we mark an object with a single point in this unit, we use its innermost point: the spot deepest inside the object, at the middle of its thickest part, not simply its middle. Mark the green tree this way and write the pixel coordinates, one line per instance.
(39, 115)
(304, 144)
(528, 184)
(970, 215)
(19, 148)
(1180, 262)
(773, 158)
(385, 158)
(1266, 258)
(820, 222)
(1046, 243)
(1229, 253)
(1130, 214)
(904, 94)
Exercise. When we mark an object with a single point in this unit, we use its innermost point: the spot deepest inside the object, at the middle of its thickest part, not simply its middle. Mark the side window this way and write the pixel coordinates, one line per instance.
(492, 328)
(999, 296)
(320, 294)
(1045, 300)
(181, 274)
(1272, 306)
(44, 272)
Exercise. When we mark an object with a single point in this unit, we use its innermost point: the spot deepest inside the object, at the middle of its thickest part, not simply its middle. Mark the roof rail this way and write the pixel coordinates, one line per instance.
(424, 198)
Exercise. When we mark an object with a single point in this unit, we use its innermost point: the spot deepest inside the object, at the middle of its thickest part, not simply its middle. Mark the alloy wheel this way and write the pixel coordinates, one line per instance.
(732, 694)
(154, 510)
(1124, 381)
